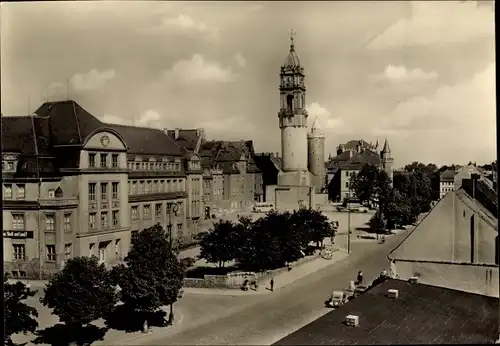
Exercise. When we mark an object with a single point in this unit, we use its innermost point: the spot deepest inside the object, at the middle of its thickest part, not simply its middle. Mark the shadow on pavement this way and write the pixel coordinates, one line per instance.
(62, 335)
(129, 321)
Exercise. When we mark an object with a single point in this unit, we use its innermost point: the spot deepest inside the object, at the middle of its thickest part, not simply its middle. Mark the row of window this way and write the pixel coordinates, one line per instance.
(8, 190)
(115, 189)
(19, 252)
(146, 210)
(104, 219)
(102, 250)
(151, 165)
(103, 160)
(19, 222)
(154, 186)
(196, 208)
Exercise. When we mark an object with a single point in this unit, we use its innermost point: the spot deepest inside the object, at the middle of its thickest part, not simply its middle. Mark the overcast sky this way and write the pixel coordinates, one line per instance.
(421, 74)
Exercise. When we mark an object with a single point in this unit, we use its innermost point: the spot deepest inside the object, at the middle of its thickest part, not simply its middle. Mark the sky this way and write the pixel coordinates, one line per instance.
(421, 74)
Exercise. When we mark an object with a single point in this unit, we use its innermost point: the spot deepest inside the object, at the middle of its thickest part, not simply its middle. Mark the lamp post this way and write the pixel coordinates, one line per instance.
(171, 208)
(349, 220)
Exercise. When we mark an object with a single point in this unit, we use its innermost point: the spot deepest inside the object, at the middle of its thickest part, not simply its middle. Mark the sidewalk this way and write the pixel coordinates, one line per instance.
(282, 279)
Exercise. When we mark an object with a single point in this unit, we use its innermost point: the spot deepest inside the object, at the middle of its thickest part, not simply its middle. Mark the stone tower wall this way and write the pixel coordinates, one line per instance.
(316, 160)
(294, 148)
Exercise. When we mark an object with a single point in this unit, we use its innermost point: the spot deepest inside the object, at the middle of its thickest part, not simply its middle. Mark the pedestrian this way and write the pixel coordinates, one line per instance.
(392, 270)
(360, 278)
(272, 284)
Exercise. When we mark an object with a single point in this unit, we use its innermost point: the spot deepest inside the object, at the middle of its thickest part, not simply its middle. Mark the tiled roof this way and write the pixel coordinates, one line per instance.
(448, 175)
(422, 314)
(18, 135)
(144, 140)
(267, 163)
(352, 144)
(187, 139)
(69, 122)
(356, 162)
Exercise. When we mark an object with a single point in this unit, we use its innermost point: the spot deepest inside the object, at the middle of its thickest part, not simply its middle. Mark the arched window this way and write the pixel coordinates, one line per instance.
(289, 103)
(472, 238)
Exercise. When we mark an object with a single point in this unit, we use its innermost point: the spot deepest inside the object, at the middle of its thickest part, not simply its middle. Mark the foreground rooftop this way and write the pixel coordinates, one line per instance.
(422, 314)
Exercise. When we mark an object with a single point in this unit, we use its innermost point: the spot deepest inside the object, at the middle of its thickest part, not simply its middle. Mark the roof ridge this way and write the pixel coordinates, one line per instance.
(135, 126)
(77, 122)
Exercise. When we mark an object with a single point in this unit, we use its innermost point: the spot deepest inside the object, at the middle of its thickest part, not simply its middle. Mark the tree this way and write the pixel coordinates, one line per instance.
(152, 276)
(396, 209)
(382, 186)
(18, 316)
(81, 293)
(378, 223)
(313, 226)
(363, 183)
(219, 245)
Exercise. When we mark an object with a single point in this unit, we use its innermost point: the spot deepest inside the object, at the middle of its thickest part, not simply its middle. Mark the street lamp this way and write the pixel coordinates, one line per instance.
(349, 220)
(171, 208)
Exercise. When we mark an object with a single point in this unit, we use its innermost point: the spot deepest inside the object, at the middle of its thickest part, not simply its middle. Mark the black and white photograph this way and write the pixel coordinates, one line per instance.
(249, 173)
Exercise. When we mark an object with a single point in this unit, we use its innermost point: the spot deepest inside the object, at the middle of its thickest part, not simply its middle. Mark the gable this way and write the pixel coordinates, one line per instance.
(104, 140)
(444, 235)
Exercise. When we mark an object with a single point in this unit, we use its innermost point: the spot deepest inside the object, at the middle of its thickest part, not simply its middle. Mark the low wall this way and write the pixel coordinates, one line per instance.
(477, 278)
(235, 280)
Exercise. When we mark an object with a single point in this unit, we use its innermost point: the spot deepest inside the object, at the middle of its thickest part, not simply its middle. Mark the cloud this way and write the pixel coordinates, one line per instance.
(197, 69)
(400, 74)
(149, 118)
(113, 119)
(240, 60)
(437, 22)
(466, 109)
(93, 80)
(325, 120)
(184, 24)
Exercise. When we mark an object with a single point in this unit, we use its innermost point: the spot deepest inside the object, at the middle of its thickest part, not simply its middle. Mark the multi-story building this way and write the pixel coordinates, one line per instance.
(74, 186)
(350, 159)
(233, 172)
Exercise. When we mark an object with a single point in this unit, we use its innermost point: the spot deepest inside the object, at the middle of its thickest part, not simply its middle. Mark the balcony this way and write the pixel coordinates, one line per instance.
(58, 202)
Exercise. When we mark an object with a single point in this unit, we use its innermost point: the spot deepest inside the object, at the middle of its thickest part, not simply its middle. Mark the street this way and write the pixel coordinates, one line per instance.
(264, 319)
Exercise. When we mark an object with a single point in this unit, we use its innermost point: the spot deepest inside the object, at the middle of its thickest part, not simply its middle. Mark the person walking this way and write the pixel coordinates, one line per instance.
(272, 284)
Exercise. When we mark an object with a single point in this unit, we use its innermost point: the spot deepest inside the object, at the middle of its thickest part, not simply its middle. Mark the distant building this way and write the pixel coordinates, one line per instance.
(270, 165)
(451, 179)
(350, 159)
(420, 314)
(233, 175)
(455, 245)
(75, 186)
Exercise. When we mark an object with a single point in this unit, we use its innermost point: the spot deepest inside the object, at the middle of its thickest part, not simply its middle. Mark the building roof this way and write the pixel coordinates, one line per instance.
(145, 140)
(386, 148)
(353, 160)
(353, 144)
(217, 153)
(448, 175)
(18, 135)
(427, 241)
(422, 314)
(69, 122)
(292, 59)
(187, 138)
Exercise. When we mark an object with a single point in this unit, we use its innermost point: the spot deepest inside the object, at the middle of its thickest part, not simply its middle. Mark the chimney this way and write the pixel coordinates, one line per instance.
(277, 154)
(350, 153)
(393, 294)
(413, 280)
(176, 133)
(352, 320)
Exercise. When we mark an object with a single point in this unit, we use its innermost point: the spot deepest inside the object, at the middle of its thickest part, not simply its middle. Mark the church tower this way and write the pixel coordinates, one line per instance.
(293, 120)
(316, 156)
(386, 159)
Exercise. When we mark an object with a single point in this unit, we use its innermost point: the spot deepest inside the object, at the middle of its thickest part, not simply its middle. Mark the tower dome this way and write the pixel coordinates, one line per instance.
(292, 60)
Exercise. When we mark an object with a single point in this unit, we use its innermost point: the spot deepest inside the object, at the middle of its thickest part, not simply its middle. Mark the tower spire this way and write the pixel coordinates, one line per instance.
(292, 38)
